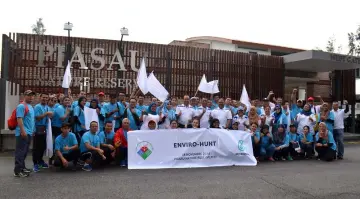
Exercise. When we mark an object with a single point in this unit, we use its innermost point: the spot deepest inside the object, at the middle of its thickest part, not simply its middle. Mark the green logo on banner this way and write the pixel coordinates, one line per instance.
(241, 146)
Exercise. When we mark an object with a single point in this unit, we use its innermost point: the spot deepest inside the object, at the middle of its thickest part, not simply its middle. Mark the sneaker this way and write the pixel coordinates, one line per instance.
(36, 168)
(87, 167)
(26, 170)
(289, 158)
(44, 165)
(271, 159)
(81, 162)
(282, 158)
(340, 158)
(21, 175)
(123, 163)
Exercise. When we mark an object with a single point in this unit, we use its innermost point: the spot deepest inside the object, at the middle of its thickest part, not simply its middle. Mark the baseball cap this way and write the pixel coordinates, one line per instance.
(29, 92)
(101, 94)
(265, 99)
(241, 108)
(310, 99)
(299, 101)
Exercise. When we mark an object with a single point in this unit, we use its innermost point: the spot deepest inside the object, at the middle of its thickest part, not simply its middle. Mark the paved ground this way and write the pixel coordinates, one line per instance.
(280, 180)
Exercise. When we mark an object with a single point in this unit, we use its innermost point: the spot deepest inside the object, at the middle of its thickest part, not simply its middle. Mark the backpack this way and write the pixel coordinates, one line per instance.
(12, 121)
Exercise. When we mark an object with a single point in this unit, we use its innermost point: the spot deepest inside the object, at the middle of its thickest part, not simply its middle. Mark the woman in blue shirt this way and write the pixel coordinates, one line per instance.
(267, 148)
(279, 118)
(281, 142)
(79, 118)
(294, 141)
(307, 140)
(255, 138)
(325, 145)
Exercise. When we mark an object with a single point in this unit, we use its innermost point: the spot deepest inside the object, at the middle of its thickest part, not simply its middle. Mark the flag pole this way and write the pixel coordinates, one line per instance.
(196, 92)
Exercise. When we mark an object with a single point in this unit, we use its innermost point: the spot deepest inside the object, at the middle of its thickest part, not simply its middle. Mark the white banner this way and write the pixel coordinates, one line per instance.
(90, 115)
(184, 148)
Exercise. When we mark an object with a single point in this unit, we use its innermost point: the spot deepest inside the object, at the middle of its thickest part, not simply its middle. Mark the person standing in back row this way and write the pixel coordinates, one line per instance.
(26, 124)
(42, 114)
(338, 133)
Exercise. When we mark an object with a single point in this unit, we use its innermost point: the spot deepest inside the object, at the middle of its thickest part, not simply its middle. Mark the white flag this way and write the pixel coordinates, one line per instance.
(142, 78)
(90, 115)
(156, 89)
(245, 98)
(49, 140)
(214, 86)
(208, 87)
(67, 77)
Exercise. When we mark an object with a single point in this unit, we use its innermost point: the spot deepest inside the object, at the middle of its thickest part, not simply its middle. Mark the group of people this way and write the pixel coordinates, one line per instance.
(280, 130)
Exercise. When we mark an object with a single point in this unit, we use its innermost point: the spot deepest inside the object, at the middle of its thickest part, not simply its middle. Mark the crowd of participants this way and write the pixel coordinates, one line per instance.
(280, 130)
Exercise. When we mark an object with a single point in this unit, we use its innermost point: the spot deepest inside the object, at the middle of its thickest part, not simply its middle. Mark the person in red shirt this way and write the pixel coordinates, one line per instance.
(121, 144)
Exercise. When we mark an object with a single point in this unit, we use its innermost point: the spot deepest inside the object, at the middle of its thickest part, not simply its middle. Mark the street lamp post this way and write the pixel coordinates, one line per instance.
(68, 26)
(124, 32)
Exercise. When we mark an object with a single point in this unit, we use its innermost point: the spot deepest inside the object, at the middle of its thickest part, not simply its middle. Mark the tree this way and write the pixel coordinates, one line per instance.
(354, 42)
(39, 27)
(330, 47)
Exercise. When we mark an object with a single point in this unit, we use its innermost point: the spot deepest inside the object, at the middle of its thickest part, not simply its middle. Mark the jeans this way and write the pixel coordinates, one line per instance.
(39, 145)
(21, 150)
(93, 156)
(284, 152)
(339, 140)
(121, 154)
(267, 151)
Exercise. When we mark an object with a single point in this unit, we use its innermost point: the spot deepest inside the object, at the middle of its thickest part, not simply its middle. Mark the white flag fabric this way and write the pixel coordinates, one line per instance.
(49, 140)
(156, 89)
(245, 98)
(208, 87)
(90, 115)
(142, 78)
(67, 77)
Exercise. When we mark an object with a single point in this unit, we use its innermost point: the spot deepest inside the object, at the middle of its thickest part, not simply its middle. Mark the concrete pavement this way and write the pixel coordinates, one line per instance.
(296, 179)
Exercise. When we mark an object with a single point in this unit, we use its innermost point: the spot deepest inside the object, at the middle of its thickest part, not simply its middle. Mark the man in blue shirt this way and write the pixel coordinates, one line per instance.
(107, 142)
(42, 114)
(113, 111)
(90, 149)
(66, 148)
(26, 124)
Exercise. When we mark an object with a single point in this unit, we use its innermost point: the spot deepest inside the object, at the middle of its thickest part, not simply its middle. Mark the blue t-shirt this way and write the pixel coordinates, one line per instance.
(265, 141)
(58, 113)
(92, 139)
(257, 135)
(130, 116)
(109, 108)
(28, 119)
(284, 143)
(106, 137)
(56, 105)
(61, 142)
(40, 110)
(329, 125)
(330, 139)
(294, 137)
(294, 111)
(309, 137)
(79, 113)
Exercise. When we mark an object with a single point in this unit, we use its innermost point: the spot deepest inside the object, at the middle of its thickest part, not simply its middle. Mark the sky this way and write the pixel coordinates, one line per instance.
(302, 24)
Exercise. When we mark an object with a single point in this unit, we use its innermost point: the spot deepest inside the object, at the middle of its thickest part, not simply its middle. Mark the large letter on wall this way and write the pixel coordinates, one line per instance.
(120, 61)
(42, 55)
(97, 58)
(80, 59)
(132, 61)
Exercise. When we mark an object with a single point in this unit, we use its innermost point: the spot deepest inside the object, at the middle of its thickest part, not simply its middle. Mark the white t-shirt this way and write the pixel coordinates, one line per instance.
(187, 113)
(304, 120)
(223, 115)
(204, 120)
(244, 120)
(339, 116)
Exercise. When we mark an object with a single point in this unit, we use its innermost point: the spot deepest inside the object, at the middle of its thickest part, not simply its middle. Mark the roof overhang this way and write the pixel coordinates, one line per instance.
(319, 61)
